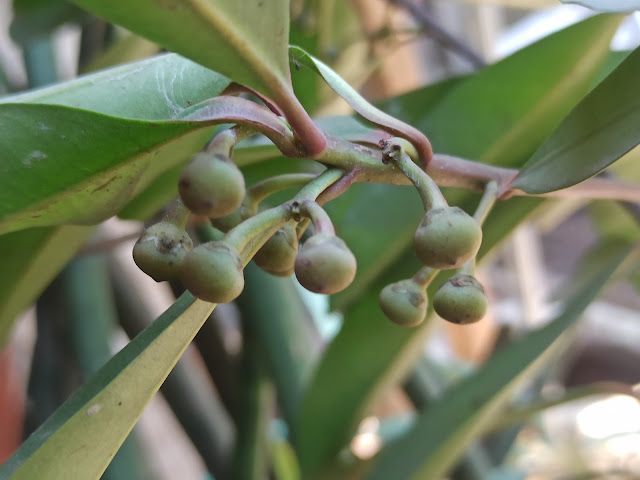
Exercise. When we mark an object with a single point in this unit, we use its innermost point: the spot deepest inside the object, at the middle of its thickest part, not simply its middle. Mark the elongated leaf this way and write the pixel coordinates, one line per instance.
(80, 439)
(158, 88)
(360, 105)
(532, 91)
(245, 40)
(499, 116)
(441, 433)
(64, 165)
(31, 258)
(600, 130)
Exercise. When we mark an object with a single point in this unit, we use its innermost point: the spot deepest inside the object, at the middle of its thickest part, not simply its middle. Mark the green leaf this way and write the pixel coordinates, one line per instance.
(158, 88)
(246, 40)
(499, 116)
(442, 431)
(47, 177)
(50, 180)
(31, 259)
(530, 93)
(600, 130)
(360, 105)
(81, 438)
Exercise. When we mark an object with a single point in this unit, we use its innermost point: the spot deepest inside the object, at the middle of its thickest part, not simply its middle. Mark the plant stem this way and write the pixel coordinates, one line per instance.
(428, 189)
(251, 234)
(487, 202)
(425, 276)
(320, 219)
(258, 192)
(314, 188)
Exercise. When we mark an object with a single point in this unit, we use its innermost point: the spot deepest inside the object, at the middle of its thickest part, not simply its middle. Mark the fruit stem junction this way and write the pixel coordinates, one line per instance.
(425, 276)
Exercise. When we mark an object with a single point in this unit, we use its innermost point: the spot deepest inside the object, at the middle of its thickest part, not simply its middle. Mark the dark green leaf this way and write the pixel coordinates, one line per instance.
(158, 88)
(498, 116)
(31, 259)
(73, 166)
(601, 129)
(246, 40)
(81, 438)
(442, 431)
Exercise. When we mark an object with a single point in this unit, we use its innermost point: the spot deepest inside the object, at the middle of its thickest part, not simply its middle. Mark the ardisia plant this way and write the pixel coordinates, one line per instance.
(167, 134)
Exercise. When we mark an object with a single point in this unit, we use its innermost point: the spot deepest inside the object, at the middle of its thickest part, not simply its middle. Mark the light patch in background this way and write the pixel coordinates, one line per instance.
(367, 442)
(619, 414)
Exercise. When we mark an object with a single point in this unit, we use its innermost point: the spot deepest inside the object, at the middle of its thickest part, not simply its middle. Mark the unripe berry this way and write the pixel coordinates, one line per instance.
(325, 264)
(278, 255)
(161, 249)
(447, 238)
(404, 302)
(211, 185)
(461, 300)
(213, 272)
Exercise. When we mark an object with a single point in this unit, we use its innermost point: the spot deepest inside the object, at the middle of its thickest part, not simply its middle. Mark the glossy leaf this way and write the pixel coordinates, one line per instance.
(81, 438)
(31, 259)
(246, 40)
(47, 178)
(600, 130)
(158, 88)
(442, 431)
(527, 95)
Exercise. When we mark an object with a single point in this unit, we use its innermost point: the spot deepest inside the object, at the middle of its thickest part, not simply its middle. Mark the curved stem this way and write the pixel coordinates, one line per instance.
(428, 189)
(318, 185)
(178, 213)
(320, 219)
(251, 234)
(425, 276)
(225, 141)
(487, 202)
(258, 192)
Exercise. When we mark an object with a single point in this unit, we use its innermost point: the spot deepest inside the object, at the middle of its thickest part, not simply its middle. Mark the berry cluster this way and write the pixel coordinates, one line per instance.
(211, 185)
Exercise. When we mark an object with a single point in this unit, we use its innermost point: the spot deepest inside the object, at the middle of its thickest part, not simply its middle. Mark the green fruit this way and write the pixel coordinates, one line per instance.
(325, 264)
(461, 300)
(278, 255)
(213, 272)
(447, 238)
(161, 249)
(211, 185)
(404, 302)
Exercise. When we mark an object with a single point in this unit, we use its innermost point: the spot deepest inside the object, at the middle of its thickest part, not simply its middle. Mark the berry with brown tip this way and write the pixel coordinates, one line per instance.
(447, 238)
(213, 272)
(278, 255)
(325, 264)
(461, 300)
(161, 249)
(211, 185)
(404, 302)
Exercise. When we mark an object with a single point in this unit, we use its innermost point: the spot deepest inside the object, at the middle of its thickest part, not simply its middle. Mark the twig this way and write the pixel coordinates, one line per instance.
(439, 34)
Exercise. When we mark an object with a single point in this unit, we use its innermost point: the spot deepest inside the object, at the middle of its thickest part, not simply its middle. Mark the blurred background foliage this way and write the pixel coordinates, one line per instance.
(288, 385)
